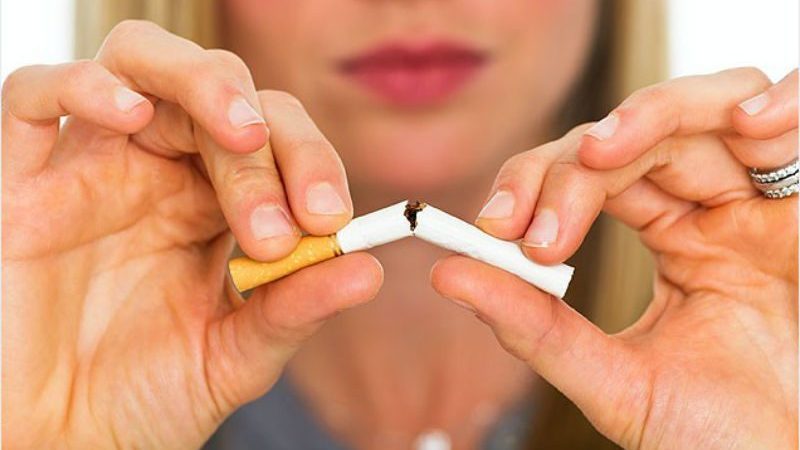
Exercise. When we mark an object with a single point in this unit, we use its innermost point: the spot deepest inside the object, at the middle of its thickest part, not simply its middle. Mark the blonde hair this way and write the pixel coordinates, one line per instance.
(614, 273)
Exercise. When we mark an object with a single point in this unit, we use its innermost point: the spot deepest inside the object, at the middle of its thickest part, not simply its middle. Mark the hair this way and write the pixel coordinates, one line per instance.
(614, 272)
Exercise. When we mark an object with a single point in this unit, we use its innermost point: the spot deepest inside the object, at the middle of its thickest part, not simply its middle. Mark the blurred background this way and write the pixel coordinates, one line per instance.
(760, 33)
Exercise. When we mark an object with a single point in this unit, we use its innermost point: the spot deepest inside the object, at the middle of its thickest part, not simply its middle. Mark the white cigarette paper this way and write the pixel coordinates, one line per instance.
(444, 230)
(395, 222)
(376, 228)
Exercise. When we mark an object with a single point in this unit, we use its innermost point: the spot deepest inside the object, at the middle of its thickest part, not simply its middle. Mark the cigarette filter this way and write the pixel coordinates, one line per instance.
(396, 222)
(370, 230)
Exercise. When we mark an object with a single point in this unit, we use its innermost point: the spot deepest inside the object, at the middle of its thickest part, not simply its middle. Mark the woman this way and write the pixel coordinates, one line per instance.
(122, 329)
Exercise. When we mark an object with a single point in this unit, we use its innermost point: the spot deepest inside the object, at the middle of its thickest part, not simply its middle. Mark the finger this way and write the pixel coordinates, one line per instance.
(508, 210)
(170, 133)
(770, 113)
(678, 107)
(251, 195)
(559, 225)
(572, 195)
(558, 343)
(764, 153)
(35, 97)
(313, 174)
(213, 86)
(646, 208)
(698, 168)
(248, 348)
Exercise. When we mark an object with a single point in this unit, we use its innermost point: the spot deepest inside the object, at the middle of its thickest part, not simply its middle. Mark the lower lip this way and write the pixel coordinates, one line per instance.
(416, 84)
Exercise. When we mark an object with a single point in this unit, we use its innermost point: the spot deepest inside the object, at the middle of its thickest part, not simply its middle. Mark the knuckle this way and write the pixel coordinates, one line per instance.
(229, 61)
(207, 75)
(120, 37)
(205, 68)
(658, 100)
(752, 75)
(129, 28)
(506, 174)
(569, 173)
(658, 96)
(280, 97)
(524, 168)
(531, 162)
(511, 164)
(80, 69)
(14, 81)
(246, 177)
(316, 145)
(667, 151)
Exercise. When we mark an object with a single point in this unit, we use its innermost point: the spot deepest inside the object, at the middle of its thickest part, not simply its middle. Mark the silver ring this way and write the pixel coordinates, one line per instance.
(779, 182)
(782, 192)
(782, 183)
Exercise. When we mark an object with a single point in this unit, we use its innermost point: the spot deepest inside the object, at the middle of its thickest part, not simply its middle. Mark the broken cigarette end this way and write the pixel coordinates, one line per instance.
(247, 273)
(412, 208)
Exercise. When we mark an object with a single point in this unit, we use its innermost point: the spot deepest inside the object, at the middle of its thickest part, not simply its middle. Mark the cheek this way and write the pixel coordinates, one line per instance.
(261, 22)
(415, 158)
(548, 42)
(242, 9)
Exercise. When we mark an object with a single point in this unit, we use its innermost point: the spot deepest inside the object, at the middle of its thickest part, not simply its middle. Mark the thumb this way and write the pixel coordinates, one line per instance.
(589, 367)
(248, 348)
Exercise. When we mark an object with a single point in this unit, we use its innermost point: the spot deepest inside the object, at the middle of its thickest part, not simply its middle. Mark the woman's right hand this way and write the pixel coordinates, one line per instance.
(120, 326)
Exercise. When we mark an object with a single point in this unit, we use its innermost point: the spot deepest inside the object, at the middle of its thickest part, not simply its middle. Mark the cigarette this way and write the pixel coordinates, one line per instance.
(442, 229)
(396, 222)
(370, 230)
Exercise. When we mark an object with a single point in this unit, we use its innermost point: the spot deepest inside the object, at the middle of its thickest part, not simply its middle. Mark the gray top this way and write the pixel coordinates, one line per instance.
(281, 421)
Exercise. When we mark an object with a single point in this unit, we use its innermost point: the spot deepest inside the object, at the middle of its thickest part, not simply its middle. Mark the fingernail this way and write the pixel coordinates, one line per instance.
(754, 105)
(322, 198)
(269, 221)
(605, 128)
(241, 114)
(464, 305)
(544, 229)
(127, 99)
(500, 206)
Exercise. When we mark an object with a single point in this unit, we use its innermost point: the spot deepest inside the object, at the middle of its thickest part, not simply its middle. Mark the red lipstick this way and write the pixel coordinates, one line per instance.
(415, 75)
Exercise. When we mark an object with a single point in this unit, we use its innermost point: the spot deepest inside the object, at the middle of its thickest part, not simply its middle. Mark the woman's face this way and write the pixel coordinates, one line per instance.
(418, 95)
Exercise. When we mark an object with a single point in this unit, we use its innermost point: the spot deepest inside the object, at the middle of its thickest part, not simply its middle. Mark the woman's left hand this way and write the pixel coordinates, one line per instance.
(713, 361)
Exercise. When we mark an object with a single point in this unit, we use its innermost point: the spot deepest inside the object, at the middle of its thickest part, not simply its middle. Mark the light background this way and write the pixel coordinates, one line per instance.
(705, 35)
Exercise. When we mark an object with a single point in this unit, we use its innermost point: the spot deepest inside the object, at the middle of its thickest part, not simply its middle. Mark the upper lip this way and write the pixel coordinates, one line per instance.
(414, 55)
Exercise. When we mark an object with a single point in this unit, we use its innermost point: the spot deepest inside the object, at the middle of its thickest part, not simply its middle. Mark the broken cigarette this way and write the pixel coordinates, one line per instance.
(452, 233)
(370, 230)
(397, 222)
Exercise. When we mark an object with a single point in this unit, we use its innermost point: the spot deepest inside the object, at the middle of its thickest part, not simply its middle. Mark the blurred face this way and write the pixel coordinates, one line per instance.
(418, 95)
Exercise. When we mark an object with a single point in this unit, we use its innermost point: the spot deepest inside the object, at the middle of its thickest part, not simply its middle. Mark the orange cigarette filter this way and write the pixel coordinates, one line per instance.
(362, 233)
(247, 273)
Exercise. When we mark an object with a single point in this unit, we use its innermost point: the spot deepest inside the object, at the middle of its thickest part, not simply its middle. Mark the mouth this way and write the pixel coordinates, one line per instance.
(415, 75)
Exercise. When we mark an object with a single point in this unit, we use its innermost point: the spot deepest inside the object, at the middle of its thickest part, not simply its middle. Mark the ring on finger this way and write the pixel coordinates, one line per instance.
(778, 182)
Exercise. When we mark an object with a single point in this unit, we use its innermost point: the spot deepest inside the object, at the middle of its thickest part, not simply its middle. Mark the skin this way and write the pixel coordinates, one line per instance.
(413, 362)
(713, 361)
(124, 331)
(536, 51)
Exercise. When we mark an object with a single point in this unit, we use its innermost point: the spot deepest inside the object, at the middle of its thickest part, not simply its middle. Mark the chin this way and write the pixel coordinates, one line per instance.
(414, 165)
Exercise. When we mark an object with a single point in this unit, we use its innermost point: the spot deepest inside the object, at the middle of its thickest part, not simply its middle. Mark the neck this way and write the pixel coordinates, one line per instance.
(410, 361)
